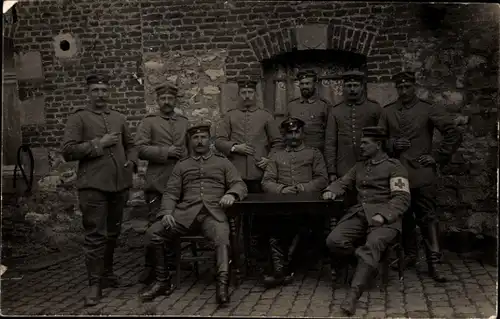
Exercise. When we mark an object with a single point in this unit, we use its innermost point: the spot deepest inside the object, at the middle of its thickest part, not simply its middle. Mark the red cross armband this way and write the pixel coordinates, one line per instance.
(400, 184)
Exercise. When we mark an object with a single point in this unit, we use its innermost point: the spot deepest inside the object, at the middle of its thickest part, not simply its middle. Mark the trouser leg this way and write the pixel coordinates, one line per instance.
(117, 202)
(341, 243)
(425, 213)
(153, 200)
(218, 233)
(94, 208)
(157, 236)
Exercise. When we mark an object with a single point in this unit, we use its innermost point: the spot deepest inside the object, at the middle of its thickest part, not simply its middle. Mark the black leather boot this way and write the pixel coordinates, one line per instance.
(109, 279)
(358, 284)
(222, 277)
(433, 253)
(163, 284)
(148, 274)
(94, 292)
(278, 262)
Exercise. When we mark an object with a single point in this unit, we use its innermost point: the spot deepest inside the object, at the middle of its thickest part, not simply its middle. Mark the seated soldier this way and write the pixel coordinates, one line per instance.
(296, 169)
(198, 191)
(383, 197)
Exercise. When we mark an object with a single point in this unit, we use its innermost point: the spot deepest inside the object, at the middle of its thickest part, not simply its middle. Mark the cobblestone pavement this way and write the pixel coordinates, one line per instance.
(60, 288)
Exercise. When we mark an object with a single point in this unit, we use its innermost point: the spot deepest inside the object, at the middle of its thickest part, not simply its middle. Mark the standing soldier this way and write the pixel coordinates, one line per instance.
(296, 169)
(160, 140)
(198, 191)
(99, 138)
(383, 197)
(346, 119)
(311, 109)
(246, 136)
(410, 124)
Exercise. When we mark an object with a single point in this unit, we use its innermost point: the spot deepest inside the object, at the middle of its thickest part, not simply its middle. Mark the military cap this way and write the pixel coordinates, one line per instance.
(306, 74)
(374, 132)
(247, 84)
(166, 88)
(292, 124)
(353, 75)
(404, 77)
(198, 127)
(97, 79)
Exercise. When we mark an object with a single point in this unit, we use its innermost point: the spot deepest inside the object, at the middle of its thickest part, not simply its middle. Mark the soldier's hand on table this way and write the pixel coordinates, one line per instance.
(262, 163)
(168, 221)
(227, 200)
(244, 149)
(110, 139)
(289, 190)
(378, 220)
(174, 151)
(426, 160)
(402, 144)
(328, 196)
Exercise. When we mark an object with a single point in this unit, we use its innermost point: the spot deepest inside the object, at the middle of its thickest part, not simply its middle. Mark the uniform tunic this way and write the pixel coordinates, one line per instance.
(416, 122)
(343, 133)
(251, 126)
(314, 113)
(99, 168)
(198, 182)
(155, 134)
(382, 187)
(292, 166)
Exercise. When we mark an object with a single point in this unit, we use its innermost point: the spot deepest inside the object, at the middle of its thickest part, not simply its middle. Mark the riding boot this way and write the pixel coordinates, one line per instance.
(162, 284)
(148, 274)
(278, 261)
(94, 293)
(109, 279)
(222, 279)
(433, 252)
(358, 284)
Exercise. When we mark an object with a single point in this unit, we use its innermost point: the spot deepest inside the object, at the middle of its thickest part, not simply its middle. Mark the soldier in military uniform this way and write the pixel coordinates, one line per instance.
(246, 135)
(160, 140)
(199, 189)
(410, 123)
(296, 169)
(383, 197)
(345, 121)
(311, 109)
(99, 139)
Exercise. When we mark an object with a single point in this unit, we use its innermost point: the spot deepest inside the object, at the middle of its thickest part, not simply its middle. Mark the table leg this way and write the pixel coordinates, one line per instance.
(333, 224)
(246, 241)
(235, 249)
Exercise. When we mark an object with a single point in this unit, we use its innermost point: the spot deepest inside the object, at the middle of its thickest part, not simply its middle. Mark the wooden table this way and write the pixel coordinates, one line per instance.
(266, 204)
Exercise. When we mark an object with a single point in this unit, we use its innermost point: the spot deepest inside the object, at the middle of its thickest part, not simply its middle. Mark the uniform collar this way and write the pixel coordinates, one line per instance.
(167, 117)
(96, 111)
(376, 162)
(205, 157)
(409, 105)
(310, 100)
(295, 149)
(252, 108)
(360, 101)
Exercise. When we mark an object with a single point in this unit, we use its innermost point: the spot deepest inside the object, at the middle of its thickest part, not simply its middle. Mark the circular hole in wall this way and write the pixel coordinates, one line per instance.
(64, 45)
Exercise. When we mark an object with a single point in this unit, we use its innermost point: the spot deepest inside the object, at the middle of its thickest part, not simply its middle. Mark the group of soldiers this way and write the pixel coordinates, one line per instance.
(380, 160)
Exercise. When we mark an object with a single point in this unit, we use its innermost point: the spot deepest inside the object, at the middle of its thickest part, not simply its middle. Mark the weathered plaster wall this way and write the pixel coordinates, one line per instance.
(203, 45)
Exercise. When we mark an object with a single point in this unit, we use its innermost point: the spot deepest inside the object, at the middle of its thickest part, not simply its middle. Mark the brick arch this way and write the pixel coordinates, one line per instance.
(267, 43)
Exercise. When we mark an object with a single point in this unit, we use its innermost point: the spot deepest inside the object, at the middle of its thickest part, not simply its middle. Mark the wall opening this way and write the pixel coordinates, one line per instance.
(280, 84)
(64, 45)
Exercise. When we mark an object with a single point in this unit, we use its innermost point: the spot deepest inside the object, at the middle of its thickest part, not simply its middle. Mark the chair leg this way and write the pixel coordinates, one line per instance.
(178, 263)
(194, 251)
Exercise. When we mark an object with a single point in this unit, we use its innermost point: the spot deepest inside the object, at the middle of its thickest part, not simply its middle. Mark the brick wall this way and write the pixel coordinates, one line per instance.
(122, 37)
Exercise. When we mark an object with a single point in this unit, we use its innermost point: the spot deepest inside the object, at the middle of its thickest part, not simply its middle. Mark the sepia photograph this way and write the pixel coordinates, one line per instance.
(249, 159)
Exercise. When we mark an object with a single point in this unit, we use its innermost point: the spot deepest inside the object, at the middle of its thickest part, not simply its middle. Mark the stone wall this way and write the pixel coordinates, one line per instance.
(204, 45)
